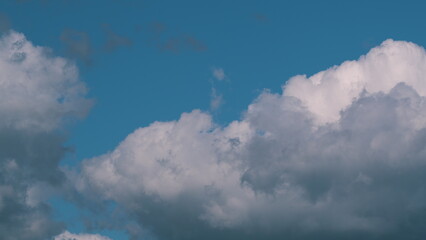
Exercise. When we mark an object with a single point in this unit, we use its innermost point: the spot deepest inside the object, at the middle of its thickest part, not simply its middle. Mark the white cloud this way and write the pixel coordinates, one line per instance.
(341, 152)
(331, 91)
(38, 94)
(38, 91)
(219, 74)
(70, 236)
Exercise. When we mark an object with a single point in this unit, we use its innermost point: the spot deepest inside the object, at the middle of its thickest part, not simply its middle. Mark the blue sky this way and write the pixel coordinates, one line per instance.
(147, 61)
(259, 45)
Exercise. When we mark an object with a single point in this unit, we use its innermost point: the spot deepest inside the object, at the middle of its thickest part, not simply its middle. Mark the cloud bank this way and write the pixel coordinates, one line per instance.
(39, 94)
(338, 154)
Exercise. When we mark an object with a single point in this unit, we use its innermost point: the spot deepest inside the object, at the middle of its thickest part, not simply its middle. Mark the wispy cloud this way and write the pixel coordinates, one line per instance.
(77, 45)
(195, 44)
(216, 100)
(218, 74)
(113, 40)
(165, 39)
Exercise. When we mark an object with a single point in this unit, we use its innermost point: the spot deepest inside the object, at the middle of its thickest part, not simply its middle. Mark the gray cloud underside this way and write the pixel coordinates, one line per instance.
(39, 94)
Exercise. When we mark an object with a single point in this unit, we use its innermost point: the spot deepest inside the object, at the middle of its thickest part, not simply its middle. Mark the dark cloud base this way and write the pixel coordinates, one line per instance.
(28, 158)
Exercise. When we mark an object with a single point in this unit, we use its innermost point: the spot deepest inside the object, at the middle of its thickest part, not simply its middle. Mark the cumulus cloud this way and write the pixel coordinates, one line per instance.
(70, 236)
(328, 92)
(39, 93)
(340, 154)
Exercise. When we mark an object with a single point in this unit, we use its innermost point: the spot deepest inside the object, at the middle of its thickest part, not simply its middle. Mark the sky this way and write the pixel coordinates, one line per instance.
(141, 119)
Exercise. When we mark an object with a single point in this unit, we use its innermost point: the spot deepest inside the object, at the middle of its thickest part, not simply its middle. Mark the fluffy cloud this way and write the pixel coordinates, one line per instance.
(37, 91)
(69, 236)
(38, 94)
(340, 154)
(328, 92)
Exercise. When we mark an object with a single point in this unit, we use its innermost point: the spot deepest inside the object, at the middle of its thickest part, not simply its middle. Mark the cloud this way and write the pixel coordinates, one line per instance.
(166, 40)
(39, 94)
(77, 45)
(340, 154)
(219, 74)
(216, 100)
(194, 43)
(114, 40)
(178, 43)
(69, 236)
(328, 92)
